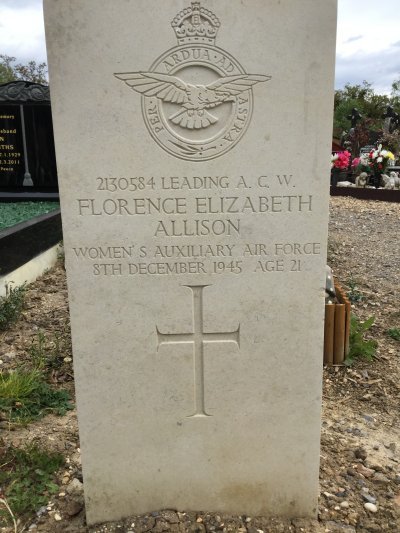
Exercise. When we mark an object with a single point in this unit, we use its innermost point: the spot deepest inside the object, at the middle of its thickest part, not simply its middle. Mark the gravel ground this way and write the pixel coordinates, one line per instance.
(360, 460)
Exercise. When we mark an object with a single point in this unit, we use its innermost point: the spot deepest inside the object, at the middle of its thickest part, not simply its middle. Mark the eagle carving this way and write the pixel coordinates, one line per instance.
(194, 100)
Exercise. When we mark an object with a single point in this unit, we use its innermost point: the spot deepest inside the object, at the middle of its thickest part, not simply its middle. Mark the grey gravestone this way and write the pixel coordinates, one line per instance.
(195, 236)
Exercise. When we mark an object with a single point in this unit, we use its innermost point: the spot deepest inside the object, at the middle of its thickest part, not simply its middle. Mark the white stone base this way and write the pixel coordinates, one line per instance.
(31, 270)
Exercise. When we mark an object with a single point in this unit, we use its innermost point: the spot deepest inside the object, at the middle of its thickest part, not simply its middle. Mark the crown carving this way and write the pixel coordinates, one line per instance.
(196, 24)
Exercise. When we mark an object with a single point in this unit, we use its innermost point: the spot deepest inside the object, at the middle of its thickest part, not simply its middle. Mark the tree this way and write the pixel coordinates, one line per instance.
(6, 70)
(372, 107)
(32, 71)
(395, 93)
(342, 111)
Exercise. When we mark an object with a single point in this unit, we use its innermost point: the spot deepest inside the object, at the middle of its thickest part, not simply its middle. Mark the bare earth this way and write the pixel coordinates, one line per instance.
(360, 459)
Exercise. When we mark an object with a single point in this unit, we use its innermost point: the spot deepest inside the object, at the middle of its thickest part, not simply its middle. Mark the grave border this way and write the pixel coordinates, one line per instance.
(24, 241)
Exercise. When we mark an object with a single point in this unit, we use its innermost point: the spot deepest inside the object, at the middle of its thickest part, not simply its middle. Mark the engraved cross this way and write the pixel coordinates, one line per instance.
(198, 338)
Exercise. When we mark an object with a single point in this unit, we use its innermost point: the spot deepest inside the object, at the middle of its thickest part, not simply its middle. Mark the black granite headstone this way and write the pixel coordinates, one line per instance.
(27, 156)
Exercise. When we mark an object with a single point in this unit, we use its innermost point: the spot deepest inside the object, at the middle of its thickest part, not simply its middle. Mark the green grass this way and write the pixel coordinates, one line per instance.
(11, 306)
(394, 333)
(14, 213)
(26, 480)
(25, 396)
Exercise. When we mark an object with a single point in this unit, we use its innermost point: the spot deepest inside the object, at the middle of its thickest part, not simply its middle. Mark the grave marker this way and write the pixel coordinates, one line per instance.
(195, 236)
(27, 155)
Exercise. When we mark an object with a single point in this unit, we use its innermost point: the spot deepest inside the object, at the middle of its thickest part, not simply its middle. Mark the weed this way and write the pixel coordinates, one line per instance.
(25, 396)
(27, 479)
(394, 333)
(354, 295)
(359, 347)
(37, 352)
(11, 305)
(47, 354)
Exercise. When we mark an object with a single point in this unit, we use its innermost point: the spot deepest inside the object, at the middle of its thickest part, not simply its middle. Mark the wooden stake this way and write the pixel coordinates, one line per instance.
(339, 336)
(329, 333)
(347, 333)
(343, 299)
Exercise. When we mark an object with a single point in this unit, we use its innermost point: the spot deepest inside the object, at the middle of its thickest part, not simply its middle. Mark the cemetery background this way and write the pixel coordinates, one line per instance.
(360, 429)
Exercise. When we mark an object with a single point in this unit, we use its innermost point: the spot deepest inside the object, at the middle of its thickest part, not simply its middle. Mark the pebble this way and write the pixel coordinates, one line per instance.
(355, 431)
(371, 507)
(73, 508)
(345, 505)
(377, 467)
(366, 472)
(368, 498)
(67, 359)
(75, 487)
(57, 517)
(360, 453)
(380, 478)
(367, 418)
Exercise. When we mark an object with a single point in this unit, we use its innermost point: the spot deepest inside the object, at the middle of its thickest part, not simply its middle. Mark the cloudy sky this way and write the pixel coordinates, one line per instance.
(368, 42)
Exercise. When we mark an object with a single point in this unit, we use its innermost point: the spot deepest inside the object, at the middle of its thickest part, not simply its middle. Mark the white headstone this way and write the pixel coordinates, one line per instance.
(193, 144)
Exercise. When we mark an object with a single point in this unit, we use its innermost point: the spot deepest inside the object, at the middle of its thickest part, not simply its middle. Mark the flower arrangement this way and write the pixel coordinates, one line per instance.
(378, 159)
(360, 164)
(341, 160)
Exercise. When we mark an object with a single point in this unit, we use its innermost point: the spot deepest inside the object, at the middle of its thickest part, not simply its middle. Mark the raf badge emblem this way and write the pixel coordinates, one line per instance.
(197, 99)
